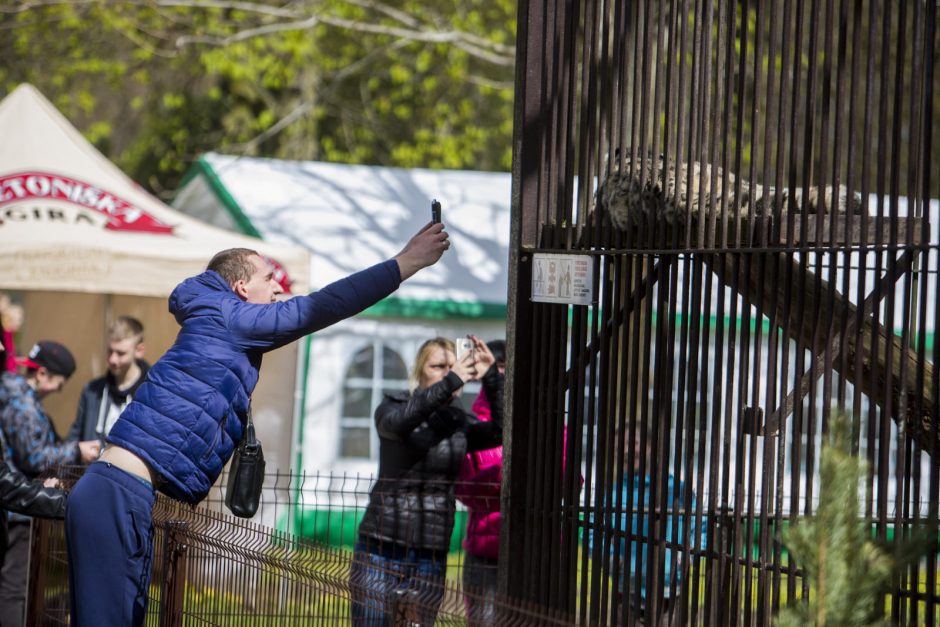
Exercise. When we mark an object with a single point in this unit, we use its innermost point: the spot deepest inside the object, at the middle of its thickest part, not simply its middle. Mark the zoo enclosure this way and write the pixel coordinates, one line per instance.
(752, 185)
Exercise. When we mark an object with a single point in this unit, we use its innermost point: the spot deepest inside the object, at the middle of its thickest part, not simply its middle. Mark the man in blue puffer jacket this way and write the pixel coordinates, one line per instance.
(186, 418)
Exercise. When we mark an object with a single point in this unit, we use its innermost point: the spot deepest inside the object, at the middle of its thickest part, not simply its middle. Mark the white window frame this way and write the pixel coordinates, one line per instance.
(376, 385)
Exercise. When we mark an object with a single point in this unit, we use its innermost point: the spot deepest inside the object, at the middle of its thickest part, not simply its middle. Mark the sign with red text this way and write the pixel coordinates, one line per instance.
(39, 196)
(565, 279)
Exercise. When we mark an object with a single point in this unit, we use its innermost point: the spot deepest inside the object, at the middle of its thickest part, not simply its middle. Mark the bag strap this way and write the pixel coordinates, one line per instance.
(250, 428)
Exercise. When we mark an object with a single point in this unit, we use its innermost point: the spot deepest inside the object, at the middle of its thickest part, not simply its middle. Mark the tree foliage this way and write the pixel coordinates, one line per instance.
(156, 83)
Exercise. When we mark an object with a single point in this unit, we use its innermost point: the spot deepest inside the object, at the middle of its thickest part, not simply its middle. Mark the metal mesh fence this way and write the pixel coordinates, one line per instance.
(211, 568)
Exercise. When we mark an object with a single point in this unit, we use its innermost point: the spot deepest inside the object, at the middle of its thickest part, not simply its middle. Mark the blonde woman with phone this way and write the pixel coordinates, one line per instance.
(424, 436)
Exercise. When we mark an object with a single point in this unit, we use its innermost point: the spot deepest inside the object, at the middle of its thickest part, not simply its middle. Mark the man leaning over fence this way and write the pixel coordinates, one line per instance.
(183, 424)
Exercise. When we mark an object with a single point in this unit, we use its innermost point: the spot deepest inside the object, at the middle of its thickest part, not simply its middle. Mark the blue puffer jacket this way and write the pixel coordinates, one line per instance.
(187, 416)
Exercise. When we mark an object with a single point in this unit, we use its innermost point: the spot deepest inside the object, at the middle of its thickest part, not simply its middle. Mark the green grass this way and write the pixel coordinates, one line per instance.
(907, 605)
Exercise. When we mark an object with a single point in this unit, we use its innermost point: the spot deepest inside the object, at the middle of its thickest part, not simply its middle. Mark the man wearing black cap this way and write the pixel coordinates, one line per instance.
(32, 446)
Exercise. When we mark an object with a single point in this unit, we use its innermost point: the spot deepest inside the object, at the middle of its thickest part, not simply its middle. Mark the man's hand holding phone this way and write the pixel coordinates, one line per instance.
(423, 250)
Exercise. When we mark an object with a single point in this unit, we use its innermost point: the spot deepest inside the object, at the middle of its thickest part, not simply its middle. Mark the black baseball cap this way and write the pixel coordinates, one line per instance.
(52, 356)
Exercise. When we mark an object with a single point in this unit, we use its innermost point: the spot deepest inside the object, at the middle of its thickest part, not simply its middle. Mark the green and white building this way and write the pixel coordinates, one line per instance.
(350, 217)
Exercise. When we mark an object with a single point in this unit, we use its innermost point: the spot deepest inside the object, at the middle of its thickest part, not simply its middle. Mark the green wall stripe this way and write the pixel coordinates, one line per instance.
(765, 327)
(305, 367)
(435, 309)
(201, 166)
(726, 321)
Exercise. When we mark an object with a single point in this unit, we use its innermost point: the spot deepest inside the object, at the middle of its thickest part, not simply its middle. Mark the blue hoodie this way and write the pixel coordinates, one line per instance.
(187, 415)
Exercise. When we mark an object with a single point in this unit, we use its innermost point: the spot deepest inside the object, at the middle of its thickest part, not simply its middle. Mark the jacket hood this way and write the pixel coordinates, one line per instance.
(184, 301)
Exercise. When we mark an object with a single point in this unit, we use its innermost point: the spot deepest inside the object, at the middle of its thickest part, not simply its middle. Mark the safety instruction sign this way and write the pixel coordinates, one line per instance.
(563, 279)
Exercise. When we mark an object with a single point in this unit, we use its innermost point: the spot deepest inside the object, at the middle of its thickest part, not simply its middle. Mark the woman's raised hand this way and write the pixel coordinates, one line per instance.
(474, 364)
(466, 367)
(483, 354)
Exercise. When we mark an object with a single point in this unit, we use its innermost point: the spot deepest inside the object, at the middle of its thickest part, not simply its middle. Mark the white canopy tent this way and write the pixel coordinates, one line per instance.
(82, 244)
(349, 217)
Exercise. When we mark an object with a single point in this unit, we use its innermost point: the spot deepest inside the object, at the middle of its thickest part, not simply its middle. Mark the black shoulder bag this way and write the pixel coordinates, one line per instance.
(246, 474)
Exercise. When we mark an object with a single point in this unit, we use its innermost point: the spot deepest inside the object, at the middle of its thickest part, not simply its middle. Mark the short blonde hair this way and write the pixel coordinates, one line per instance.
(424, 354)
(124, 328)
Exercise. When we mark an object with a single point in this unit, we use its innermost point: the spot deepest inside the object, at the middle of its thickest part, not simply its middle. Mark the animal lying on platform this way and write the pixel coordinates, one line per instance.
(626, 198)
(769, 276)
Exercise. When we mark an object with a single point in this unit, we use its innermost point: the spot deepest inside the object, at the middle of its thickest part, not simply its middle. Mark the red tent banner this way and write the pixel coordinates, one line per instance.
(120, 214)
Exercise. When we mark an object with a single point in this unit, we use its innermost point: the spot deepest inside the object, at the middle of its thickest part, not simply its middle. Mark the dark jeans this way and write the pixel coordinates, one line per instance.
(109, 536)
(14, 575)
(390, 585)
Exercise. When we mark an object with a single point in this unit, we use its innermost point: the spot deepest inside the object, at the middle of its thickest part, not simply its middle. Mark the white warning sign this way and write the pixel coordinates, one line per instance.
(563, 279)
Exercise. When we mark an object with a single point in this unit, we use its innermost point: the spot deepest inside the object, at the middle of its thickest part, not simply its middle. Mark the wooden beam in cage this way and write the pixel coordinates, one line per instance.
(908, 226)
(903, 265)
(717, 201)
(768, 231)
(905, 397)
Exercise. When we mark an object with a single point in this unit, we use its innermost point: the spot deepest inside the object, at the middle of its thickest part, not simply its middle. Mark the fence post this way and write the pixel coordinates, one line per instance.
(36, 583)
(174, 574)
(719, 570)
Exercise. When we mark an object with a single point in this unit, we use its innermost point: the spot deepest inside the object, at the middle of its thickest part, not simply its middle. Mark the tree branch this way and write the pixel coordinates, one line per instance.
(287, 19)
(299, 111)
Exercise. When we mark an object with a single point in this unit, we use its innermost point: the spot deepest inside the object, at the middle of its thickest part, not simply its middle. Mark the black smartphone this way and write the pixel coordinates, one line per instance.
(435, 211)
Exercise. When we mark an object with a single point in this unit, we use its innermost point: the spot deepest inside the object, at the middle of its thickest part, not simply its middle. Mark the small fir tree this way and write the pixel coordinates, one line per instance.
(848, 572)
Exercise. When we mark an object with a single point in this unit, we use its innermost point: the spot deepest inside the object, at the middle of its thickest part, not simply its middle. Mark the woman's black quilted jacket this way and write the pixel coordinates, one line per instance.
(423, 440)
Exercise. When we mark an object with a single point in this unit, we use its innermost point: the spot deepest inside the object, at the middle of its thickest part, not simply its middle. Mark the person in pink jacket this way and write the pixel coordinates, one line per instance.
(478, 489)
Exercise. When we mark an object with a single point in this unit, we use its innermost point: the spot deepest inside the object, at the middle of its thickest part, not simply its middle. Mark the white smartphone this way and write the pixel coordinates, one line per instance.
(463, 345)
